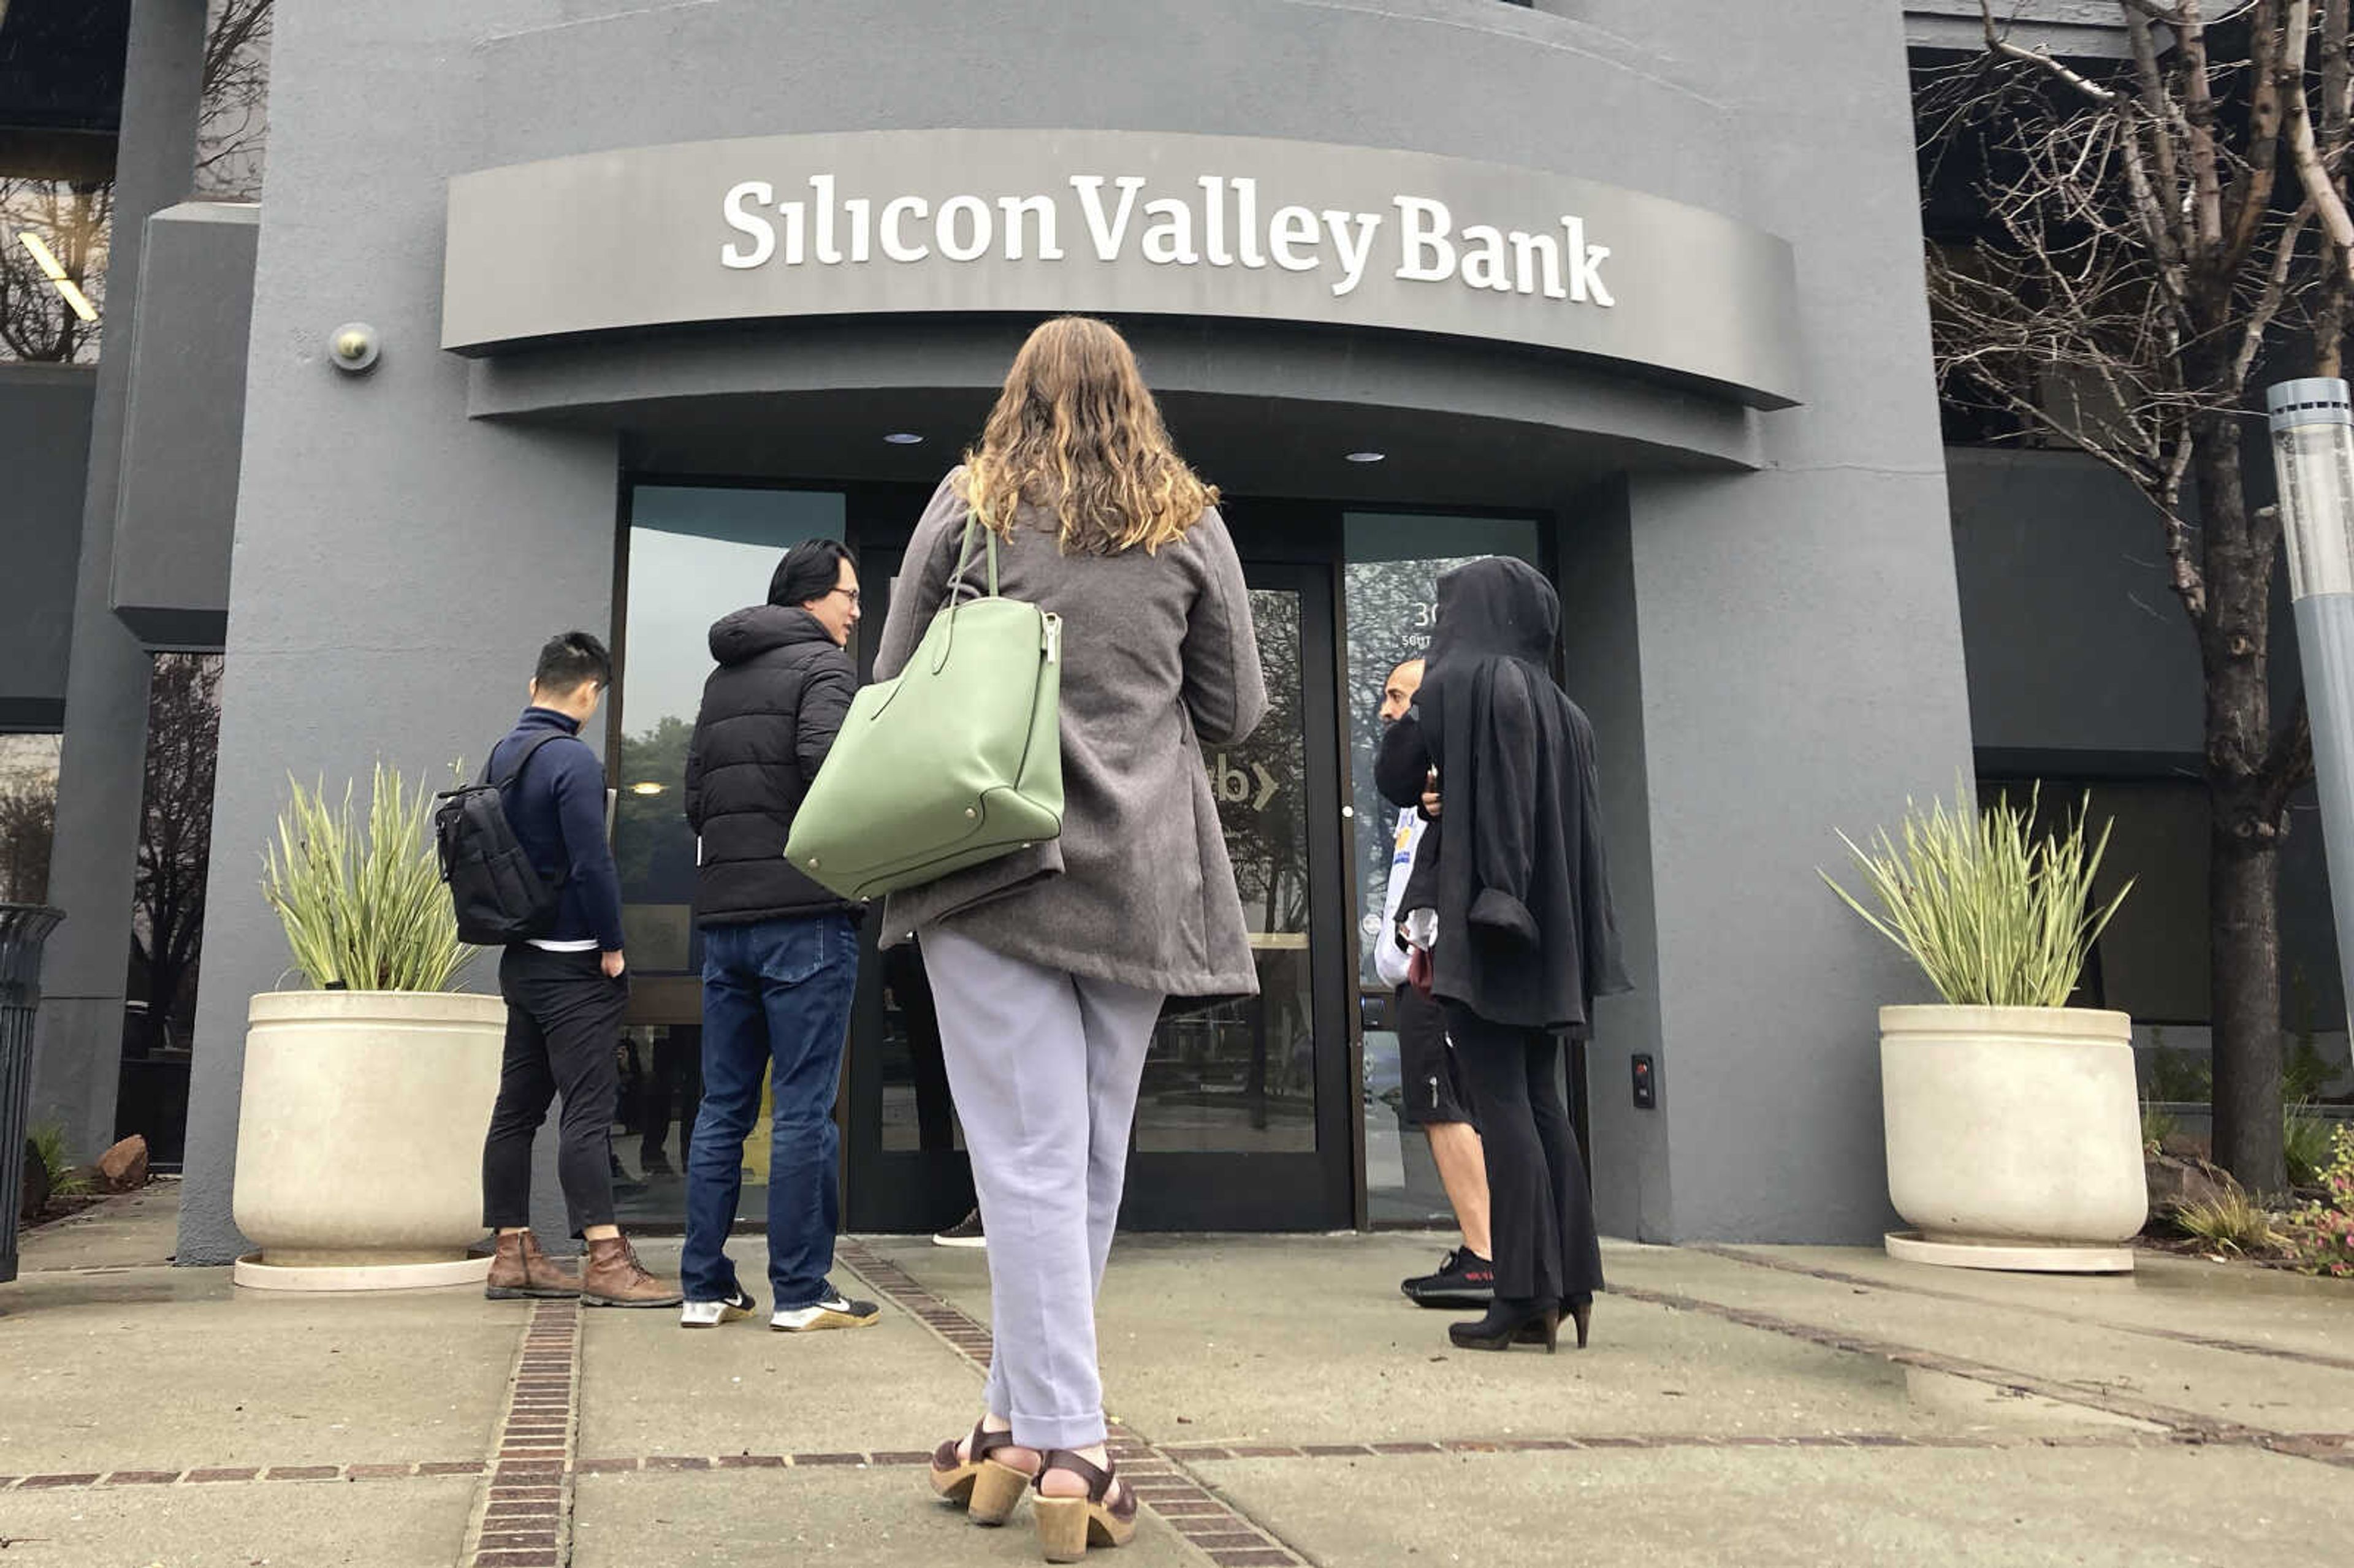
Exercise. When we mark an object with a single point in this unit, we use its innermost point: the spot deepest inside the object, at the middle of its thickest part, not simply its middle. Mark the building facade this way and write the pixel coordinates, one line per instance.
(646, 295)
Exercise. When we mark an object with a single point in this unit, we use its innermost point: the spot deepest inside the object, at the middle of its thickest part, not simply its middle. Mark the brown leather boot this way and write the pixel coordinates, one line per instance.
(616, 1278)
(519, 1270)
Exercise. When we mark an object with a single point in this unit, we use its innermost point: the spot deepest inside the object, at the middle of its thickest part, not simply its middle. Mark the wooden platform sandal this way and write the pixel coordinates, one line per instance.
(987, 1488)
(1069, 1526)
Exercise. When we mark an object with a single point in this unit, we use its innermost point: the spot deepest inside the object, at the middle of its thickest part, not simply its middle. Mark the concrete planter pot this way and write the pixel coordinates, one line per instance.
(2014, 1137)
(359, 1151)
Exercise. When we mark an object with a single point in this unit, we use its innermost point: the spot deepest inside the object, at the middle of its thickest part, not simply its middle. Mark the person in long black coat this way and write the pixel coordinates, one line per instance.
(1526, 938)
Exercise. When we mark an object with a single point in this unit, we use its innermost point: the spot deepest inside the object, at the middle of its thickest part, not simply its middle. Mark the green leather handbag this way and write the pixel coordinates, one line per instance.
(955, 762)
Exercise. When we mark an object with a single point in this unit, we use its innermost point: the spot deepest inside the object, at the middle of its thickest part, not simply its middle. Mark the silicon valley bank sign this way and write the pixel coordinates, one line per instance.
(1117, 223)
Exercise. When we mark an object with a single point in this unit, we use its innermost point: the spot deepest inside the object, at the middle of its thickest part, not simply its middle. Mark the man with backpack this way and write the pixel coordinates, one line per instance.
(537, 875)
(780, 952)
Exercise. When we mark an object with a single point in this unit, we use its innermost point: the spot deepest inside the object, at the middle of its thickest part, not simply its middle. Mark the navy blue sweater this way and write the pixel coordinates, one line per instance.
(557, 811)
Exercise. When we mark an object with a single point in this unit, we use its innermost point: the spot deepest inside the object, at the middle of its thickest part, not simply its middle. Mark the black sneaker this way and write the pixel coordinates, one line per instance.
(965, 1233)
(1464, 1279)
(831, 1310)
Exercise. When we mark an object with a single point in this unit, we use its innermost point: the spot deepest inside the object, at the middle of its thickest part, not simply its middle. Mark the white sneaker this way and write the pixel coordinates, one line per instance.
(832, 1310)
(711, 1313)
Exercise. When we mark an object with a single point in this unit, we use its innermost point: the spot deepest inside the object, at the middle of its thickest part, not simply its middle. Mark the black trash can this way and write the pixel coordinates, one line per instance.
(24, 928)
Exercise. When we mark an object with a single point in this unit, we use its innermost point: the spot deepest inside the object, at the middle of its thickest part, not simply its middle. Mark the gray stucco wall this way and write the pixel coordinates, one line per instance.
(78, 1049)
(2074, 638)
(1794, 633)
(45, 425)
(2083, 665)
(183, 432)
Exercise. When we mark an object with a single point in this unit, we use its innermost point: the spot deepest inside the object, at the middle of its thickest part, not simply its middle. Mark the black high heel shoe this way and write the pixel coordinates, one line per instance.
(1579, 1310)
(1510, 1322)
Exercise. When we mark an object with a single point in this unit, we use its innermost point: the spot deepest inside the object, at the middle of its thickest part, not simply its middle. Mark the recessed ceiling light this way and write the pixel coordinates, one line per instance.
(647, 787)
(1367, 457)
(905, 439)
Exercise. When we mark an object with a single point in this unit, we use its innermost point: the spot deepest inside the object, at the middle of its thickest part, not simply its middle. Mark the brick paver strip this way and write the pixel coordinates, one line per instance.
(523, 1515)
(676, 1462)
(604, 1467)
(29, 1482)
(239, 1475)
(752, 1461)
(899, 1457)
(305, 1472)
(143, 1477)
(451, 1468)
(969, 1339)
(380, 1472)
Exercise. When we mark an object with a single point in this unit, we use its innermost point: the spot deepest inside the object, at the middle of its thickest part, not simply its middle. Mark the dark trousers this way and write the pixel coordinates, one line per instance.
(674, 1082)
(564, 1032)
(1541, 1211)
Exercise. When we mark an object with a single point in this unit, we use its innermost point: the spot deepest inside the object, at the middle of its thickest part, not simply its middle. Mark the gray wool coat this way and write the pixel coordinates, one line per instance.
(1158, 658)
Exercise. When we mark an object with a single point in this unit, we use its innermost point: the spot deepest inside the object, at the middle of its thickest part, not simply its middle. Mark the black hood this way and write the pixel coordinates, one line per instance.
(763, 628)
(1495, 607)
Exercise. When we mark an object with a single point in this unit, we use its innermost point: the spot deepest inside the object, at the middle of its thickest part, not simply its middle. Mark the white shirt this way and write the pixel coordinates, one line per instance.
(1389, 959)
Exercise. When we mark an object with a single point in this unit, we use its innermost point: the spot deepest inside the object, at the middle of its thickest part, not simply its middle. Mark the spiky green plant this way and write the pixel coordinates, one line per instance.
(1995, 916)
(2231, 1223)
(49, 1141)
(2157, 1125)
(363, 905)
(2305, 1142)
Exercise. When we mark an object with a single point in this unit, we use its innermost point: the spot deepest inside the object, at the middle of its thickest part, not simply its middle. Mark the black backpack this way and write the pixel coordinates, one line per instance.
(500, 895)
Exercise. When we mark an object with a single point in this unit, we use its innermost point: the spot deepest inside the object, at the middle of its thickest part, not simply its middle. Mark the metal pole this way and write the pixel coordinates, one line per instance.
(2312, 454)
(23, 928)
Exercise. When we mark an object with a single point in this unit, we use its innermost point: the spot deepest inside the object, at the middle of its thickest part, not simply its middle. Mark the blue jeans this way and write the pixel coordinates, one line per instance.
(776, 998)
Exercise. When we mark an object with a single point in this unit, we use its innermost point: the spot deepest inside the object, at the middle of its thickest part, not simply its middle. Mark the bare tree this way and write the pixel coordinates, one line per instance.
(2154, 231)
(29, 817)
(235, 127)
(70, 220)
(176, 837)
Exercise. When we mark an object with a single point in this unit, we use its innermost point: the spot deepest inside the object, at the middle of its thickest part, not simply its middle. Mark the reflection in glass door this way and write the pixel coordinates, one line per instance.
(696, 553)
(1243, 1118)
(1392, 563)
(1241, 1077)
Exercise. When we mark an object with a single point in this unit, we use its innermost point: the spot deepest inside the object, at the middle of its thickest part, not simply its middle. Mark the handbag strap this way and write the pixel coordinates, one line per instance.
(964, 558)
(955, 584)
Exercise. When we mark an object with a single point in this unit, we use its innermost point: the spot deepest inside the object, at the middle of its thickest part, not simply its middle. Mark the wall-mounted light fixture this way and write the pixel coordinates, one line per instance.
(54, 270)
(353, 346)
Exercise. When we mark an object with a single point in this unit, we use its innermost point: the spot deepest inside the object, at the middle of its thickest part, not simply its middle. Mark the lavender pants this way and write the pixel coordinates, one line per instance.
(1045, 1068)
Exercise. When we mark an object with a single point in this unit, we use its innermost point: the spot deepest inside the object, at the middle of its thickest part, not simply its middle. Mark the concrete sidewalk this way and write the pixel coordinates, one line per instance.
(1278, 1402)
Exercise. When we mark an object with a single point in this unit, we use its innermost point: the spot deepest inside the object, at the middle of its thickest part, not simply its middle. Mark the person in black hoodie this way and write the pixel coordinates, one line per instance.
(779, 953)
(1525, 938)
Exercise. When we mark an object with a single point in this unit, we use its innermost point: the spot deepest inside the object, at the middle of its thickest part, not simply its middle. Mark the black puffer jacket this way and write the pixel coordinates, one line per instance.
(769, 714)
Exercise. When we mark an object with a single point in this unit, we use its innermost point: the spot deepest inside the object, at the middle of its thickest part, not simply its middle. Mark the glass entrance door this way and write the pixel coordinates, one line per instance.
(1243, 1122)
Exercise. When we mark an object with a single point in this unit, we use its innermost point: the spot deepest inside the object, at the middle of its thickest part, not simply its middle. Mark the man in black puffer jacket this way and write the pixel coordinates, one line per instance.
(779, 953)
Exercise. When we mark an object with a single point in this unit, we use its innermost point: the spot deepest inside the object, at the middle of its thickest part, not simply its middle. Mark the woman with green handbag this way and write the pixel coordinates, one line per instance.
(1050, 965)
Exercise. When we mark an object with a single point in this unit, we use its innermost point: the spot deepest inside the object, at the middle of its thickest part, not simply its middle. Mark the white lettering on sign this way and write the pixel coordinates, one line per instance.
(1218, 220)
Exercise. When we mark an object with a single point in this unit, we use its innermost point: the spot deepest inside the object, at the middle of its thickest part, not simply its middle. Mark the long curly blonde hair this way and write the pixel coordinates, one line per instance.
(1077, 433)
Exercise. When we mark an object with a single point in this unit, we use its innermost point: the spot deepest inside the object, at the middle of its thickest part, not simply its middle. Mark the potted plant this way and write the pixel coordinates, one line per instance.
(368, 1091)
(2012, 1120)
